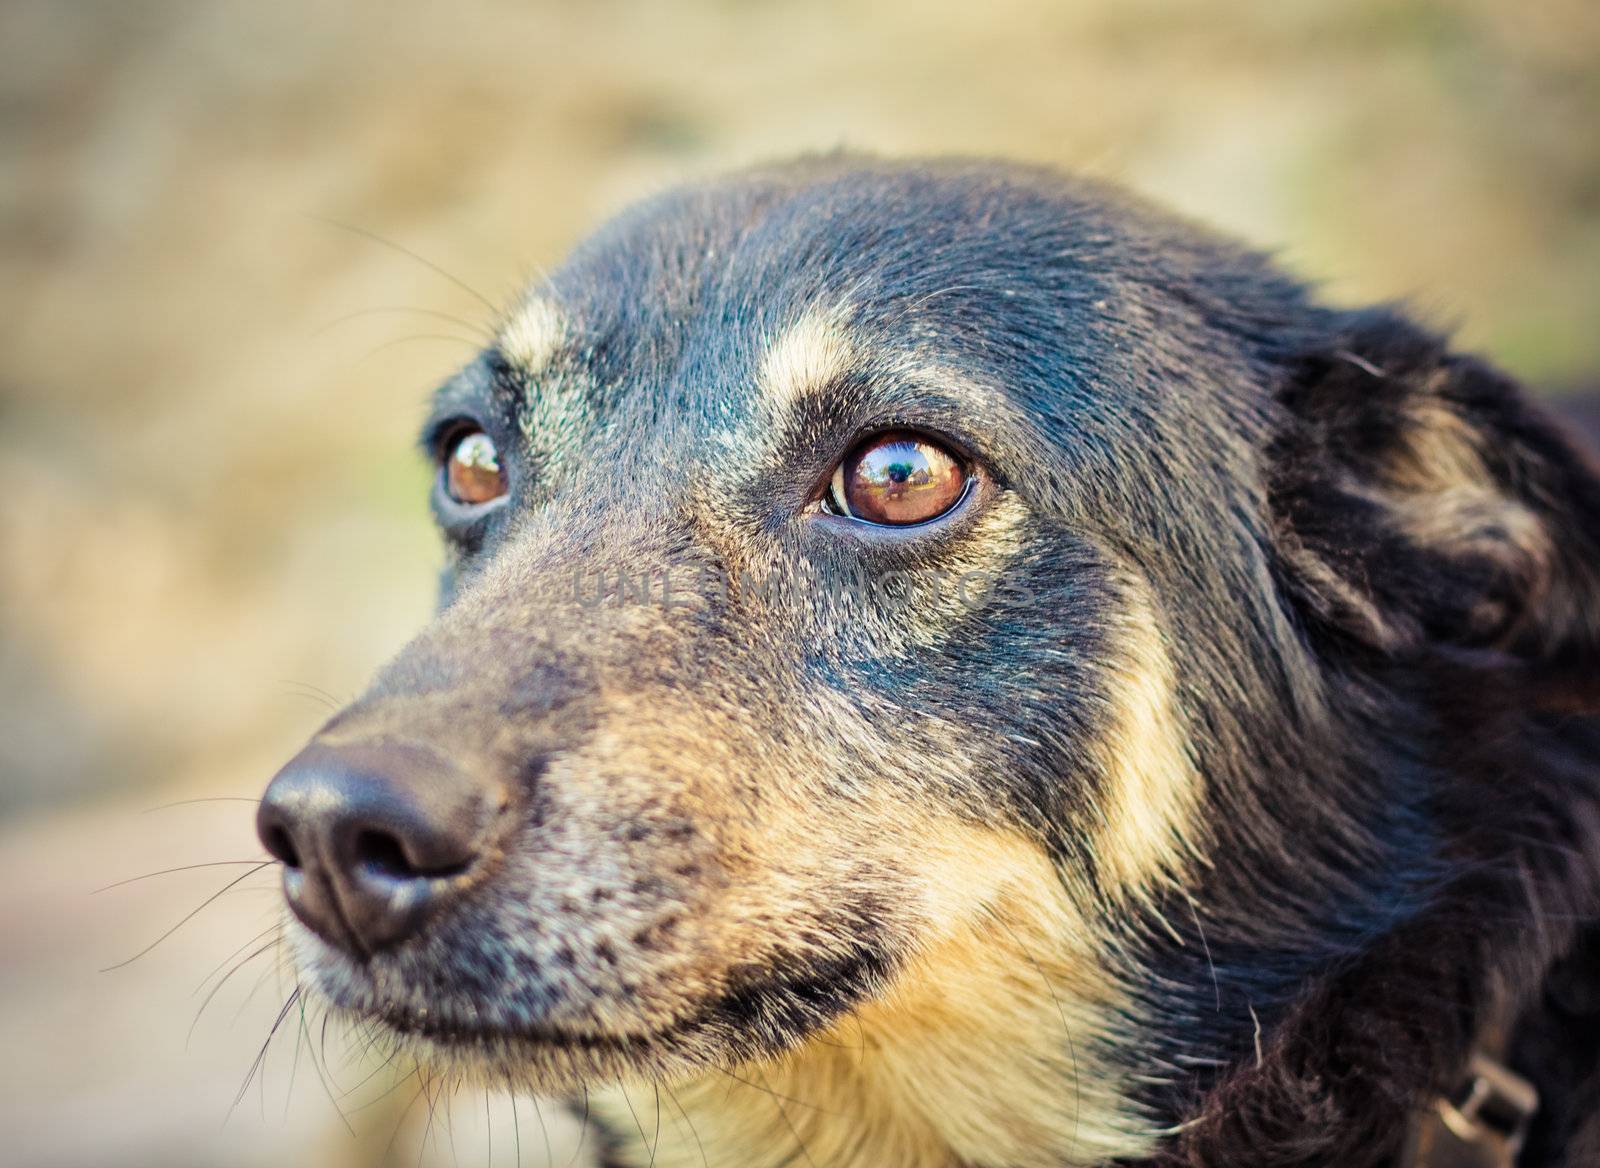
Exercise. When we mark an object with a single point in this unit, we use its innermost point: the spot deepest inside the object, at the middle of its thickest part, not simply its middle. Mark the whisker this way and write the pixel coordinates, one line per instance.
(1216, 986)
(480, 334)
(390, 1090)
(372, 1074)
(488, 1127)
(170, 871)
(376, 349)
(788, 1123)
(209, 799)
(1066, 1030)
(655, 1142)
(314, 698)
(261, 1056)
(364, 1040)
(416, 1070)
(450, 1124)
(333, 699)
(776, 1095)
(216, 989)
(251, 996)
(678, 1103)
(322, 1045)
(422, 1144)
(275, 927)
(623, 1091)
(927, 296)
(371, 1037)
(583, 1129)
(191, 915)
(294, 1067)
(549, 1152)
(316, 1066)
(406, 251)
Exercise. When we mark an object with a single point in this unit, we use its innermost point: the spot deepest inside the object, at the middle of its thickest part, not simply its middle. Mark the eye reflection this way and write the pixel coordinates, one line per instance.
(897, 479)
(473, 475)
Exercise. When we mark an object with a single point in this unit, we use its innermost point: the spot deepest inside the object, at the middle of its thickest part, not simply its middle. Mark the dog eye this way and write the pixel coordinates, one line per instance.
(472, 472)
(897, 479)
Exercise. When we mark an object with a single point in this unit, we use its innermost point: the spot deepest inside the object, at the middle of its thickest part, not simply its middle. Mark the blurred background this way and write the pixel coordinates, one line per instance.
(214, 521)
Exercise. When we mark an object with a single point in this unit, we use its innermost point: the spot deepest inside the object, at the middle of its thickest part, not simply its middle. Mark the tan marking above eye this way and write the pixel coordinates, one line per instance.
(897, 479)
(472, 471)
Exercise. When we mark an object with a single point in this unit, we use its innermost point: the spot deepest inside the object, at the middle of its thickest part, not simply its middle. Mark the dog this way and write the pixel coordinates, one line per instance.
(941, 664)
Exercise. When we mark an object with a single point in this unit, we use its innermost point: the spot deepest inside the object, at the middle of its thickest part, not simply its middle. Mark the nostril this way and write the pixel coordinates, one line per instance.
(374, 840)
(394, 856)
(382, 854)
(279, 846)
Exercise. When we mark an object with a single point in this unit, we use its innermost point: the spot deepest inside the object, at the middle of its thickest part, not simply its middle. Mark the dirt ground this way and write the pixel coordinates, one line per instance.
(210, 371)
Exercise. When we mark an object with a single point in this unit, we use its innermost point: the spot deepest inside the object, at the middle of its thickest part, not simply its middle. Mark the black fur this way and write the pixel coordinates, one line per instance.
(1376, 567)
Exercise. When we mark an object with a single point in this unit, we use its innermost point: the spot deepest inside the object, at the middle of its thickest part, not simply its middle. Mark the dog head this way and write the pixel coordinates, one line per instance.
(944, 601)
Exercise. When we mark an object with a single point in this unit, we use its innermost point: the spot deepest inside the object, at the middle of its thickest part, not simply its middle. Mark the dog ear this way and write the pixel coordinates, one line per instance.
(1421, 500)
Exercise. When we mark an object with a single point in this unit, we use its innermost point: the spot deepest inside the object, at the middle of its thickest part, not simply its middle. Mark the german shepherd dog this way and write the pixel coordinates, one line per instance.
(942, 665)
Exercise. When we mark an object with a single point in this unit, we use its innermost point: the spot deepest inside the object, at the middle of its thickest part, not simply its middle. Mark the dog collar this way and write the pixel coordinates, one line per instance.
(1483, 1123)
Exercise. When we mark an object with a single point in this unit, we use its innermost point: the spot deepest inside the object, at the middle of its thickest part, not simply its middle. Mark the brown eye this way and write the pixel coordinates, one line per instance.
(472, 474)
(897, 479)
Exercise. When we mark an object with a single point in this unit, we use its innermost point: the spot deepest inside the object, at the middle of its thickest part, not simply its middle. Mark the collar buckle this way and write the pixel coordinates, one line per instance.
(1482, 1124)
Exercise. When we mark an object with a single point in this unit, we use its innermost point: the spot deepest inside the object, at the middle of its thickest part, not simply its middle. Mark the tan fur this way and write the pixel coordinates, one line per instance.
(557, 415)
(533, 334)
(1442, 494)
(1008, 980)
(1442, 452)
(1468, 517)
(698, 835)
(1155, 787)
(813, 350)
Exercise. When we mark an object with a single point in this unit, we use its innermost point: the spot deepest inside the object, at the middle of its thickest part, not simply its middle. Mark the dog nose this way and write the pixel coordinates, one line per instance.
(374, 840)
